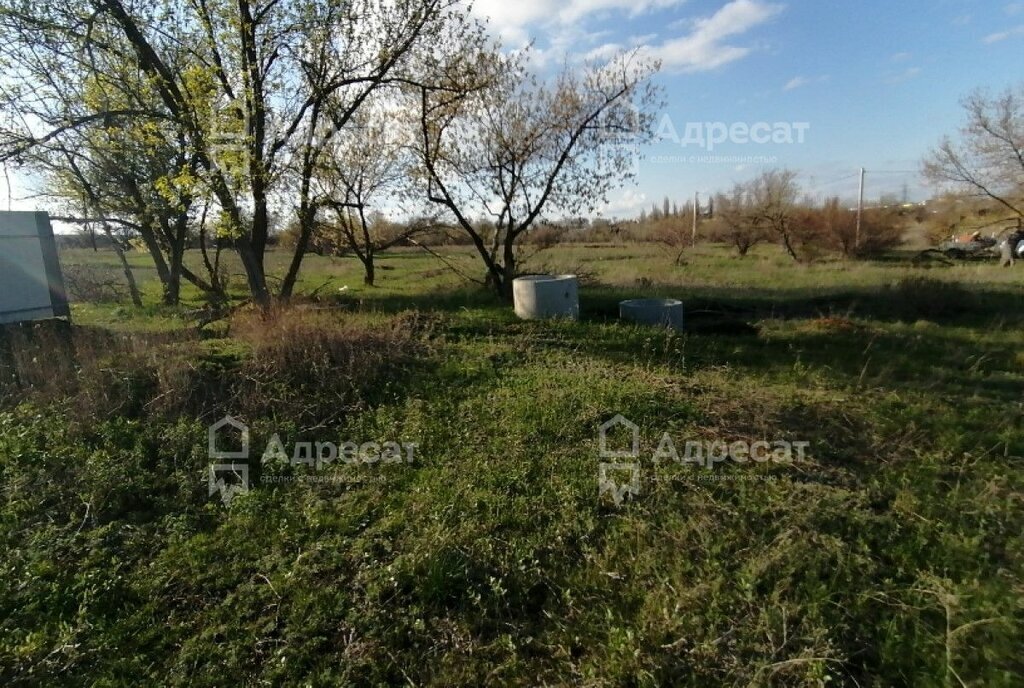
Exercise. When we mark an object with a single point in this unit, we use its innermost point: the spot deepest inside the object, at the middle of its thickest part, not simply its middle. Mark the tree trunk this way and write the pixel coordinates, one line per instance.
(199, 282)
(129, 276)
(155, 252)
(254, 274)
(508, 273)
(307, 223)
(789, 247)
(252, 249)
(212, 268)
(172, 290)
(368, 267)
(301, 246)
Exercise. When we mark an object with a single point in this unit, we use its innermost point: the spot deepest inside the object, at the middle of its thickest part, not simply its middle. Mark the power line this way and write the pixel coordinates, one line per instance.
(834, 181)
(841, 179)
(820, 190)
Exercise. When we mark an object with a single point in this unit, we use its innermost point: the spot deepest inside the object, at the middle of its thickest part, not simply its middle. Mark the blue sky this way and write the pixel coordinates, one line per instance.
(878, 82)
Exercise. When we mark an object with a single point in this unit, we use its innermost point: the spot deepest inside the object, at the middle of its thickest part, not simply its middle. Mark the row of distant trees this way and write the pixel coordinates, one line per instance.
(981, 171)
(983, 168)
(771, 208)
(768, 209)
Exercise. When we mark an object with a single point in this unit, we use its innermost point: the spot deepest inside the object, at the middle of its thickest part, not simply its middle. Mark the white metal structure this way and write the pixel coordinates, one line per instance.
(31, 284)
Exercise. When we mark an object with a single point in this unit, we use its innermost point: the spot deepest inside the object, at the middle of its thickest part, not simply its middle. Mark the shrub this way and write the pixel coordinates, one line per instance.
(545, 237)
(92, 284)
(309, 365)
(306, 365)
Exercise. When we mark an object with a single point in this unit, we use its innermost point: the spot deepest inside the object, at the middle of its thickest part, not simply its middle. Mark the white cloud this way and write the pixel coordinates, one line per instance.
(796, 82)
(603, 52)
(510, 19)
(905, 75)
(578, 9)
(642, 40)
(901, 57)
(800, 81)
(1003, 35)
(571, 43)
(515, 20)
(629, 202)
(705, 47)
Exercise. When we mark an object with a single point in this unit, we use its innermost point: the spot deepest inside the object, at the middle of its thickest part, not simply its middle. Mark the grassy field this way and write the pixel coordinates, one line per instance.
(891, 555)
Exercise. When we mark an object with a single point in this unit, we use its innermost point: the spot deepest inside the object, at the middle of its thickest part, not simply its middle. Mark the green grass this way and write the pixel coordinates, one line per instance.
(893, 556)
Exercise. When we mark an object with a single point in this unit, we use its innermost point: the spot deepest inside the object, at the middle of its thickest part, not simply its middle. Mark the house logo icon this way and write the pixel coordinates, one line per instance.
(215, 431)
(619, 470)
(634, 449)
(228, 479)
(617, 489)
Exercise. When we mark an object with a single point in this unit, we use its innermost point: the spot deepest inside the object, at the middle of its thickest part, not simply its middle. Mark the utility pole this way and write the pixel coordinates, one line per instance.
(696, 210)
(860, 209)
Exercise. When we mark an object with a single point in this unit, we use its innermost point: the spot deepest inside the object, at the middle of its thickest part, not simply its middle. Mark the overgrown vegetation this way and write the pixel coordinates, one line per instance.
(892, 557)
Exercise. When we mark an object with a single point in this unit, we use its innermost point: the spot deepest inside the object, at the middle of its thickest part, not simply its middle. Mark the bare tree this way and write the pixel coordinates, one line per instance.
(137, 178)
(839, 225)
(773, 199)
(736, 221)
(881, 228)
(362, 49)
(674, 232)
(369, 166)
(520, 150)
(988, 160)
